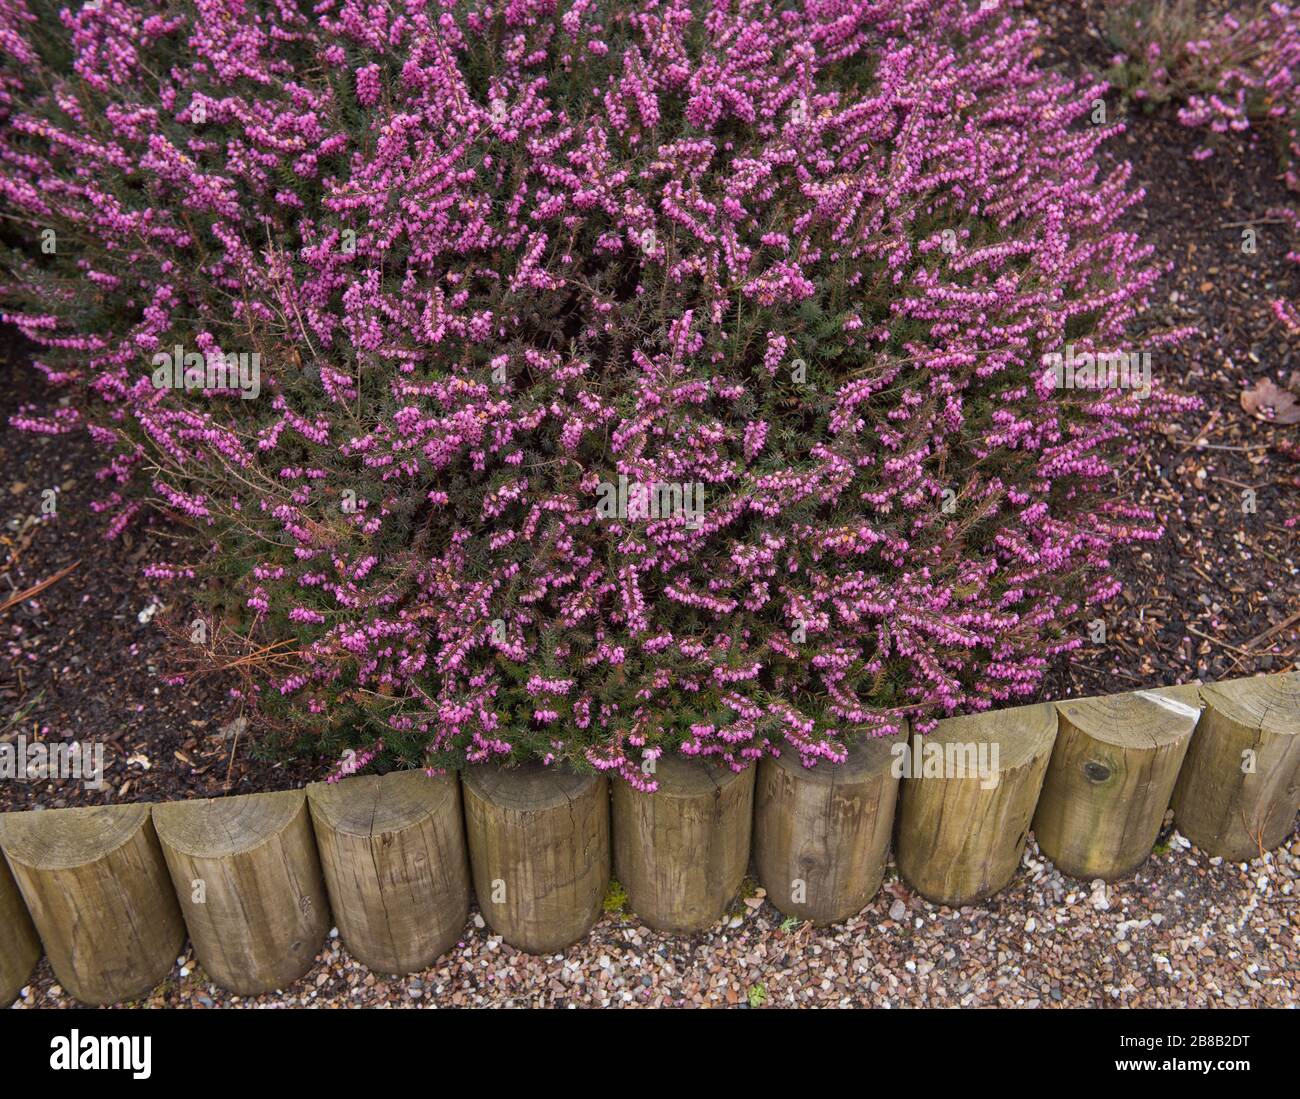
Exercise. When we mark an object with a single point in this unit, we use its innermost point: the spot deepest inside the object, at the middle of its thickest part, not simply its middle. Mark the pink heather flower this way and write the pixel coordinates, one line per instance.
(368, 85)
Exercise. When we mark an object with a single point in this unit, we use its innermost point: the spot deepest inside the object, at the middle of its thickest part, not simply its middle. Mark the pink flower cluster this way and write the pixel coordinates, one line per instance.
(803, 260)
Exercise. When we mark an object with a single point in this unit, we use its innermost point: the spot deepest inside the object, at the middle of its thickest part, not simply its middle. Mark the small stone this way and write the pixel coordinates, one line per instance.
(897, 911)
(1099, 899)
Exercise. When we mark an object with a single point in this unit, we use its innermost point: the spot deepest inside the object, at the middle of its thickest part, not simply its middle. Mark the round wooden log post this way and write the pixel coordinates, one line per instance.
(249, 880)
(1112, 773)
(821, 834)
(20, 949)
(682, 851)
(539, 852)
(968, 793)
(1239, 788)
(96, 886)
(393, 852)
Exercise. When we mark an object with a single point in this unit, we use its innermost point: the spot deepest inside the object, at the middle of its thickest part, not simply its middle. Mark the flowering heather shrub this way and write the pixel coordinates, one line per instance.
(495, 257)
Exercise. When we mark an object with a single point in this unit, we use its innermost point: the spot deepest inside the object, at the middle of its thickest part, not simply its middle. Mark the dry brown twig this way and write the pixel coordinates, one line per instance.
(36, 589)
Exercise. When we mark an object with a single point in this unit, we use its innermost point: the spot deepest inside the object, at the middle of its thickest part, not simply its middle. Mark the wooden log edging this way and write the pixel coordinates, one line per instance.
(95, 884)
(20, 948)
(101, 889)
(821, 834)
(539, 852)
(681, 851)
(1239, 788)
(393, 852)
(966, 804)
(248, 877)
(1112, 773)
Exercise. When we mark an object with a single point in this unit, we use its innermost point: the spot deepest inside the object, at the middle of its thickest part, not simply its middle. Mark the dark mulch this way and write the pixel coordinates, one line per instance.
(1211, 600)
(76, 662)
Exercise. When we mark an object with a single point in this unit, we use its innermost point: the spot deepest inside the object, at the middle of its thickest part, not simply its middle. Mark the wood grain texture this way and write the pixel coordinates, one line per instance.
(539, 852)
(1112, 773)
(249, 881)
(821, 834)
(960, 839)
(393, 852)
(1239, 787)
(682, 851)
(20, 948)
(96, 886)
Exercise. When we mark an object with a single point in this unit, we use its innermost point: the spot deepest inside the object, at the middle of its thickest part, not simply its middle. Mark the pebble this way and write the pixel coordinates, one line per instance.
(1099, 899)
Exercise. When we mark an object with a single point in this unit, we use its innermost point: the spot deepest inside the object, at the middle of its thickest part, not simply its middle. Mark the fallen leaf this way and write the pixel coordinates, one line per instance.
(234, 729)
(1270, 403)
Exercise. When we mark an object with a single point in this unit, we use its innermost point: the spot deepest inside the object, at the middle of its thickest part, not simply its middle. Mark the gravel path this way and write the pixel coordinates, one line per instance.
(1186, 931)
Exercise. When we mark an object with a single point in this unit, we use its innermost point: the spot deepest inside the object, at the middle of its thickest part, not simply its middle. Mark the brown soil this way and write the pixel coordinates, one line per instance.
(76, 662)
(1201, 602)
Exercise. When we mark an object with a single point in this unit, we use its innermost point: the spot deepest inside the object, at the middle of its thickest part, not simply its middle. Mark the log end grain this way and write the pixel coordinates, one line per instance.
(393, 854)
(1111, 777)
(821, 834)
(961, 834)
(215, 828)
(372, 805)
(249, 880)
(95, 884)
(528, 787)
(1269, 703)
(63, 839)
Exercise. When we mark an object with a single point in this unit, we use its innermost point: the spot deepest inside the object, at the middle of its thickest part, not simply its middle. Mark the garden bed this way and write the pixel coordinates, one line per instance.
(87, 658)
(1192, 602)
